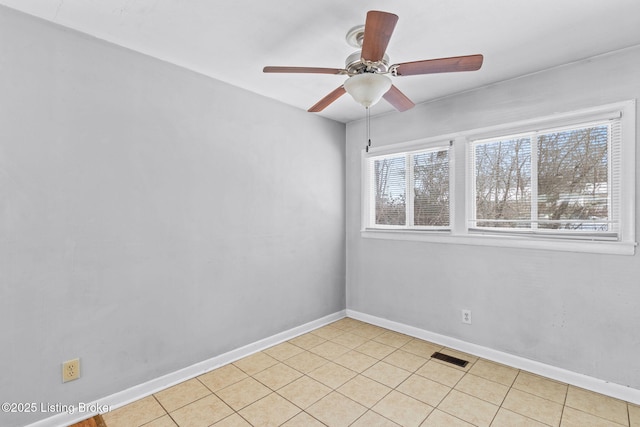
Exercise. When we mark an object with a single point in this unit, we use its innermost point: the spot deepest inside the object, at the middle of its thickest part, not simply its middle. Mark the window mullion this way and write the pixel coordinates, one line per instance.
(534, 181)
(410, 190)
(372, 193)
(471, 189)
(613, 182)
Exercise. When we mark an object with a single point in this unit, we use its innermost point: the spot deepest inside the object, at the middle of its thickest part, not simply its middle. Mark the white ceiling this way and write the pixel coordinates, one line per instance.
(232, 40)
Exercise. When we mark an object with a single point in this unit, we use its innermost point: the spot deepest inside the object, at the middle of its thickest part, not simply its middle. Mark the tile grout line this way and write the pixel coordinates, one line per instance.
(511, 387)
(336, 390)
(564, 405)
(371, 338)
(303, 374)
(445, 396)
(164, 409)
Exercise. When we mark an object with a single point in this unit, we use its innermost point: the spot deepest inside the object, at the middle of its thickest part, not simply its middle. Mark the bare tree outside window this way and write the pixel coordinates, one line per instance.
(503, 183)
(390, 179)
(561, 182)
(573, 179)
(572, 190)
(431, 188)
(427, 205)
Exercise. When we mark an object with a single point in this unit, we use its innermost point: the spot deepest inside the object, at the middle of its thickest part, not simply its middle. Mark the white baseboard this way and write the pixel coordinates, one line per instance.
(134, 393)
(579, 380)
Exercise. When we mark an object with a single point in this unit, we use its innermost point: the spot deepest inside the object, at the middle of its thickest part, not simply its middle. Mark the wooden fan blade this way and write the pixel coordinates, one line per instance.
(310, 70)
(327, 100)
(398, 99)
(377, 33)
(441, 65)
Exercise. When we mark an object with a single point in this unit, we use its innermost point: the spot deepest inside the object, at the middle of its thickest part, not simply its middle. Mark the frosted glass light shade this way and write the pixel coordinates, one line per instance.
(367, 88)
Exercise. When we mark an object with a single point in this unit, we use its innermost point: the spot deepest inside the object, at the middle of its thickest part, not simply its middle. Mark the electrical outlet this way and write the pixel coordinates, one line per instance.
(70, 370)
(466, 316)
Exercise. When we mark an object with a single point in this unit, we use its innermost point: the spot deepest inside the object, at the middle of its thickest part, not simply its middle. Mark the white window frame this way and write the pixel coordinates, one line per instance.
(461, 186)
(408, 150)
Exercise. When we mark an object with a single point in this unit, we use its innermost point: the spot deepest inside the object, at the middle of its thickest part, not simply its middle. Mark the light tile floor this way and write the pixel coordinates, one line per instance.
(351, 373)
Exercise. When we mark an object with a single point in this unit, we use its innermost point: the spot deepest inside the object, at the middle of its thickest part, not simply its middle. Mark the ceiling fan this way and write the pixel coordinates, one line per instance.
(368, 68)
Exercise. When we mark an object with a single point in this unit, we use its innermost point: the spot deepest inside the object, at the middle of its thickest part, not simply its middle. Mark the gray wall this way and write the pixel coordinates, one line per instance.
(150, 217)
(574, 311)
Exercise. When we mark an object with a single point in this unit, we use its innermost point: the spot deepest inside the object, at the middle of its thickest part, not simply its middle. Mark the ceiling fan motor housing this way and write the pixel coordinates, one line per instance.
(354, 64)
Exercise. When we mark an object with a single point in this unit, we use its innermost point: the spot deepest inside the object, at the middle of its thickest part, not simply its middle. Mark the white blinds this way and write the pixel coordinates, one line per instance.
(390, 181)
(563, 181)
(410, 189)
(431, 188)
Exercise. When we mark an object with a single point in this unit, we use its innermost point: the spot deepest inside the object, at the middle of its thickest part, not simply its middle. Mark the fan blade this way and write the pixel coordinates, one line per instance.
(441, 65)
(310, 70)
(377, 33)
(324, 102)
(398, 99)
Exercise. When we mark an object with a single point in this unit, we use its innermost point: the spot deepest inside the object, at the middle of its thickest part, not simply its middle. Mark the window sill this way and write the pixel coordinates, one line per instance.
(566, 245)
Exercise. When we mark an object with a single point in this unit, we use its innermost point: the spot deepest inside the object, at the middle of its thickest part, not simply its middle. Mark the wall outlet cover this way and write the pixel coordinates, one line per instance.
(466, 316)
(70, 370)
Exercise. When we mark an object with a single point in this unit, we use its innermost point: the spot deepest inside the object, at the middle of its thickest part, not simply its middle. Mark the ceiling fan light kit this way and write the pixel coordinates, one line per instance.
(367, 88)
(368, 68)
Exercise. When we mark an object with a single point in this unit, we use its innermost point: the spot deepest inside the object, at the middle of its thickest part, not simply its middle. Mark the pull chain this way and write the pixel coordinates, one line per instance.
(368, 120)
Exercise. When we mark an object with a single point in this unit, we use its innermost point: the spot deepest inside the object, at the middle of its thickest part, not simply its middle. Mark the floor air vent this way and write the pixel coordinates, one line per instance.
(450, 359)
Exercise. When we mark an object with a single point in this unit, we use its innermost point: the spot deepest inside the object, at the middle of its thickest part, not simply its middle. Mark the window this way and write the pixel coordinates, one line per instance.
(562, 182)
(410, 190)
(554, 181)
